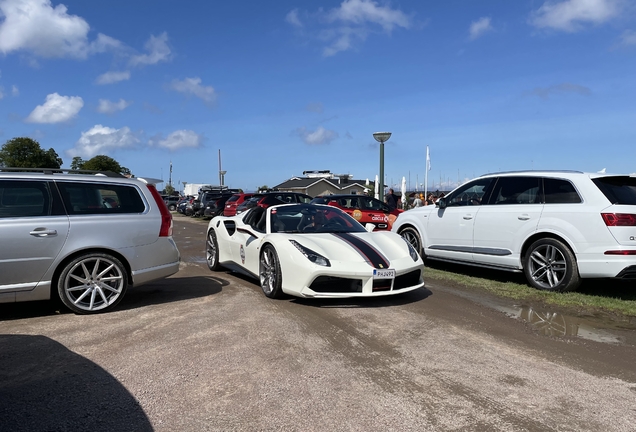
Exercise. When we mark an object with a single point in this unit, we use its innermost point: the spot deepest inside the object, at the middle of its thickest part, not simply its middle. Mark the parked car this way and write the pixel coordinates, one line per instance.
(84, 238)
(557, 227)
(172, 202)
(181, 205)
(206, 195)
(267, 199)
(216, 206)
(234, 201)
(364, 209)
(309, 250)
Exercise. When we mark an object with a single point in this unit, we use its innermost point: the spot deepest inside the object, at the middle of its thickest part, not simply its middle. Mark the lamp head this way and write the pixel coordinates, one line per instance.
(382, 136)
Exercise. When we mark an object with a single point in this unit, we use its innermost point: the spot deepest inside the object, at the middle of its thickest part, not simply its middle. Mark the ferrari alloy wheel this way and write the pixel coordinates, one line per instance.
(212, 251)
(270, 273)
(550, 265)
(93, 283)
(413, 237)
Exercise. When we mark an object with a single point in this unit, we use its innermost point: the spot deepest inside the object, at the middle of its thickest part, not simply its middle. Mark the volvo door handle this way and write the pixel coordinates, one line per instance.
(523, 217)
(43, 232)
(468, 217)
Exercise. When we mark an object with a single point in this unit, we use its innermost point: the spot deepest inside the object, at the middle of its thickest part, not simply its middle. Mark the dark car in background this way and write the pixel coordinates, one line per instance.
(272, 198)
(215, 207)
(172, 201)
(207, 196)
(364, 209)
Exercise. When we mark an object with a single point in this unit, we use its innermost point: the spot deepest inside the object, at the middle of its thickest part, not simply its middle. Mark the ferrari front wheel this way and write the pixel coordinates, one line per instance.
(212, 251)
(270, 274)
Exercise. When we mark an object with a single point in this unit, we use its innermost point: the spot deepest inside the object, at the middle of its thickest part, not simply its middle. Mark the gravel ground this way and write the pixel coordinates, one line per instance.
(204, 351)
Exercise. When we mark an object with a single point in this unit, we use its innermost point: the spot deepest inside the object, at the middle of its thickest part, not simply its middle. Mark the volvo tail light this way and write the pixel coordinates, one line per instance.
(619, 219)
(166, 217)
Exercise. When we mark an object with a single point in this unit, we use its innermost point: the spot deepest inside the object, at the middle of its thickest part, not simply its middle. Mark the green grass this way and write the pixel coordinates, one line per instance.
(594, 296)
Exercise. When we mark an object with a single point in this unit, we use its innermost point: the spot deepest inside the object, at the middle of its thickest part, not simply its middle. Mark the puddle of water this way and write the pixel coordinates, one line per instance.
(559, 325)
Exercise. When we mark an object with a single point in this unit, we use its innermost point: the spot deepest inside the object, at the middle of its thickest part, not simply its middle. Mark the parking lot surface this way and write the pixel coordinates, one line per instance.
(203, 351)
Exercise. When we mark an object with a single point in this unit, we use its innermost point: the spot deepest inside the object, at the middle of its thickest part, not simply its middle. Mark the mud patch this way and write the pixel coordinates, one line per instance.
(513, 380)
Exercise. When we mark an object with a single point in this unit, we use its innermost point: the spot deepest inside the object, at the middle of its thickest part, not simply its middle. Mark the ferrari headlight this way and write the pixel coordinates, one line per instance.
(312, 256)
(412, 250)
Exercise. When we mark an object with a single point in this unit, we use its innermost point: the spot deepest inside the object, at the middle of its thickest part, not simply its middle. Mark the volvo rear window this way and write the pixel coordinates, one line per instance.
(618, 190)
(95, 198)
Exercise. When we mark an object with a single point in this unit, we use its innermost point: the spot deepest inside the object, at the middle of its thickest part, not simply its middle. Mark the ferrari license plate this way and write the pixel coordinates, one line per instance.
(383, 273)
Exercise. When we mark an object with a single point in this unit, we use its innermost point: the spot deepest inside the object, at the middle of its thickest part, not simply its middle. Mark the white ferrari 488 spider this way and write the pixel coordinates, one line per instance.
(309, 250)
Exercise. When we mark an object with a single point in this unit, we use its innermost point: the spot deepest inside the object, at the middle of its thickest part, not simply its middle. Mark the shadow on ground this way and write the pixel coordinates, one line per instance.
(46, 387)
(163, 291)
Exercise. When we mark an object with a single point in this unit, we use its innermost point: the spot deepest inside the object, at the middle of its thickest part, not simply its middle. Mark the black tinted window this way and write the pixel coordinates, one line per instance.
(96, 198)
(559, 191)
(618, 190)
(516, 190)
(470, 194)
(24, 199)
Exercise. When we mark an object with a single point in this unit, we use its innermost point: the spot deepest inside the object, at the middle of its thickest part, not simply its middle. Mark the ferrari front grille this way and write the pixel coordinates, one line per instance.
(331, 284)
(407, 280)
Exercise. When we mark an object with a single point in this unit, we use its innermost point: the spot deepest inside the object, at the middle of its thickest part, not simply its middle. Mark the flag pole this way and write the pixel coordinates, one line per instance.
(426, 169)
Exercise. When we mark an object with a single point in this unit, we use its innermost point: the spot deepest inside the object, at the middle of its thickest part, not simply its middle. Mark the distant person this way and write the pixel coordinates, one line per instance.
(391, 200)
(417, 202)
(430, 200)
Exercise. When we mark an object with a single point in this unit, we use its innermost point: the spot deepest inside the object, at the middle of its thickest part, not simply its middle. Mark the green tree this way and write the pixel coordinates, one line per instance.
(102, 163)
(25, 152)
(169, 190)
(77, 163)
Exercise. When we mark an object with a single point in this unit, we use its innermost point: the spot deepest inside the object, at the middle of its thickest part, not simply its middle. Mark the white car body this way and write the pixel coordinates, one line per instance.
(499, 232)
(353, 257)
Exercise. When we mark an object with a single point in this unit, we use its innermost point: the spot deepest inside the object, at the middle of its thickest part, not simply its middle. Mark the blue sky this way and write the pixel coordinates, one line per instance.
(280, 87)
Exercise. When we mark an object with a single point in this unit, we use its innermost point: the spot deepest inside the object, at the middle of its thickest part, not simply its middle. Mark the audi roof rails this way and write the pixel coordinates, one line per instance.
(61, 171)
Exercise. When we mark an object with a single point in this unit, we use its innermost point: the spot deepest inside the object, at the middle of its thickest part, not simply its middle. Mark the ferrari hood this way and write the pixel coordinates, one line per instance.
(378, 249)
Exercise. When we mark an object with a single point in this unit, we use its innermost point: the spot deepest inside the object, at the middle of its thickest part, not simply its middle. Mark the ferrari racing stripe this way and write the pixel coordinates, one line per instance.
(370, 254)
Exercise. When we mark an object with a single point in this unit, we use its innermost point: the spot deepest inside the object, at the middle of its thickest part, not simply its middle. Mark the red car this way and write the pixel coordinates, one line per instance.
(362, 208)
(234, 201)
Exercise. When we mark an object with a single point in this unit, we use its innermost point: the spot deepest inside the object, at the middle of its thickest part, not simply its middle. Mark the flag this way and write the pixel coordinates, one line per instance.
(428, 159)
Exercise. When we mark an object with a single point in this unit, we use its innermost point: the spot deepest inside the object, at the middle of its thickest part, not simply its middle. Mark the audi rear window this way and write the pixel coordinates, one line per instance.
(618, 190)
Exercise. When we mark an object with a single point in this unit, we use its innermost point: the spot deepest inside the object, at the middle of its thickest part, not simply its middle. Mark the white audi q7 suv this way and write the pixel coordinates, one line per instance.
(556, 226)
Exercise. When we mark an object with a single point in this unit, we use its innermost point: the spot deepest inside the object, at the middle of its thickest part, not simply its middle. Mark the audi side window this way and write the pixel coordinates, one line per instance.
(557, 191)
(472, 193)
(516, 190)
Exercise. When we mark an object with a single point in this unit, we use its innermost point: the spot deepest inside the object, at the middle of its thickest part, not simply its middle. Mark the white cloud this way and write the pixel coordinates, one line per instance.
(317, 137)
(570, 15)
(56, 109)
(178, 140)
(112, 77)
(546, 92)
(479, 27)
(158, 51)
(47, 31)
(368, 11)
(107, 107)
(15, 91)
(101, 140)
(293, 19)
(352, 22)
(628, 37)
(192, 86)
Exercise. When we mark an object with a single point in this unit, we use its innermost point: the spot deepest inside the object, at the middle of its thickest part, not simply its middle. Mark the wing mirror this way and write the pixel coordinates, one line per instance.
(369, 227)
(441, 203)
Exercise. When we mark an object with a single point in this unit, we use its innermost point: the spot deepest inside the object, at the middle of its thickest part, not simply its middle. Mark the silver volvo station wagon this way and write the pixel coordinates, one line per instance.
(83, 237)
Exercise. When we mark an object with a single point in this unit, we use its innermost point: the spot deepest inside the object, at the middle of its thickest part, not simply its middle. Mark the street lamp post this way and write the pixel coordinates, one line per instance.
(222, 176)
(382, 137)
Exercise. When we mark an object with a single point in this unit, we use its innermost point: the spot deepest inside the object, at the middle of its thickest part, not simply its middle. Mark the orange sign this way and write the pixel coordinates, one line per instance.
(357, 215)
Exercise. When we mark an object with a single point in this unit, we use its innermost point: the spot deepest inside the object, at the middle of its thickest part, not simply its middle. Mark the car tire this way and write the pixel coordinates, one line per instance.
(212, 251)
(270, 274)
(92, 283)
(172, 207)
(411, 235)
(550, 265)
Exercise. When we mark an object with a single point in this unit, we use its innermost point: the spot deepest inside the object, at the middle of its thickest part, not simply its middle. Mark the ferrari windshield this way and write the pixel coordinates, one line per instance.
(307, 218)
